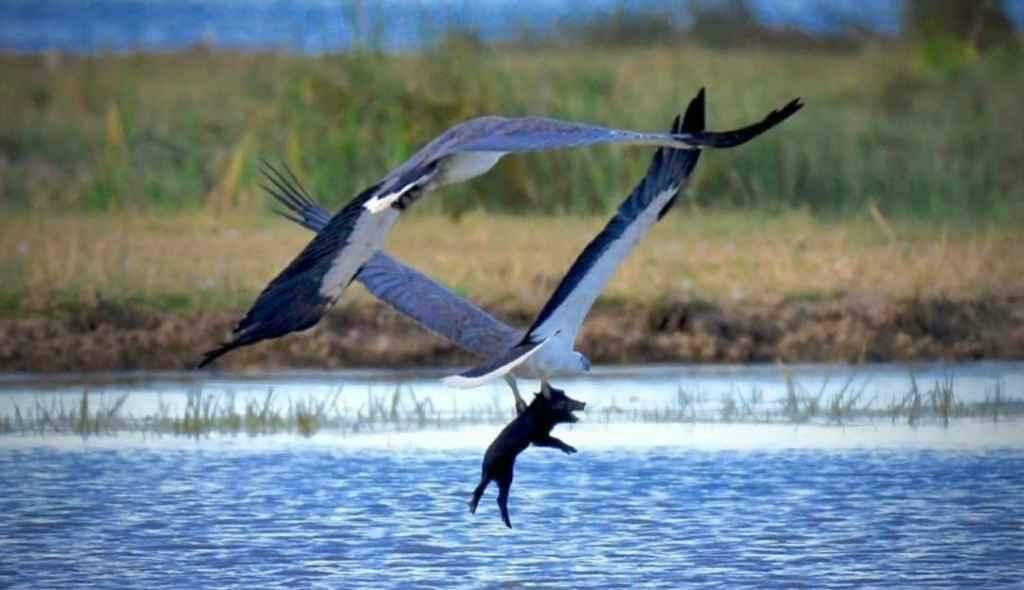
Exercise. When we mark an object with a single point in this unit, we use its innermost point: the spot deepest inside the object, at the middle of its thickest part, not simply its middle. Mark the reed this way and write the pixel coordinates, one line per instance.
(205, 413)
(186, 130)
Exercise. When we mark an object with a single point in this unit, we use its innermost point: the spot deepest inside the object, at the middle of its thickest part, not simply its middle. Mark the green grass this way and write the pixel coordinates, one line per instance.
(186, 131)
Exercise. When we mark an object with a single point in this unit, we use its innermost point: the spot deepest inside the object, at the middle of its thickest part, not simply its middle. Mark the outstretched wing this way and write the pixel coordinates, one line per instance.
(299, 296)
(537, 134)
(471, 148)
(648, 203)
(436, 308)
(575, 294)
(410, 292)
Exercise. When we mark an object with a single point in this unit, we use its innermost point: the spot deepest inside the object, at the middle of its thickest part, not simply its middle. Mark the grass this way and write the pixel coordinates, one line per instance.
(198, 261)
(134, 178)
(190, 261)
(206, 414)
(848, 405)
(184, 131)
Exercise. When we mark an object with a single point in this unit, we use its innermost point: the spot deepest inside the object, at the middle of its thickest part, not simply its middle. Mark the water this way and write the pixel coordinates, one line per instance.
(686, 504)
(664, 517)
(609, 391)
(329, 25)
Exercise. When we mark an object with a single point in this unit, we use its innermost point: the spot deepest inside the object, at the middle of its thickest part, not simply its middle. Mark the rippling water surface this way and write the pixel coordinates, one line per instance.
(205, 517)
(654, 505)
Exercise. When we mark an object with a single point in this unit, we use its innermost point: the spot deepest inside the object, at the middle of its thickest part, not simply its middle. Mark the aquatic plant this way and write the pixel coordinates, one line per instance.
(204, 413)
(110, 132)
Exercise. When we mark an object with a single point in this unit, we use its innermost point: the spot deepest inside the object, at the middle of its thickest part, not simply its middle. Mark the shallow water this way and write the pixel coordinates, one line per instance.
(657, 505)
(615, 391)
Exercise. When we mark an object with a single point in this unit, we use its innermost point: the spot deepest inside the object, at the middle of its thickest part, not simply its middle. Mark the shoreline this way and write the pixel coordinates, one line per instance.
(114, 337)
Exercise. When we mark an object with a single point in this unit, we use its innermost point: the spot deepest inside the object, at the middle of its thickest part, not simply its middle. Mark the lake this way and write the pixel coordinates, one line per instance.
(686, 477)
(315, 26)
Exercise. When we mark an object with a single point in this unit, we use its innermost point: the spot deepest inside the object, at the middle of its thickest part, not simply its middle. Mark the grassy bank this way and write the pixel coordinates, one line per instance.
(196, 261)
(152, 291)
(883, 222)
(184, 131)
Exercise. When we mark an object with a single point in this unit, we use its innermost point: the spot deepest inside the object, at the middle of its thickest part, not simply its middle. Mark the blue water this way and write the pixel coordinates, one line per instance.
(298, 516)
(695, 503)
(326, 25)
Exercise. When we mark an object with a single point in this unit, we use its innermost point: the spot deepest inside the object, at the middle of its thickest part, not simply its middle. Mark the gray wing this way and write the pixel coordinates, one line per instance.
(646, 205)
(498, 134)
(438, 163)
(576, 293)
(408, 291)
(299, 296)
(437, 309)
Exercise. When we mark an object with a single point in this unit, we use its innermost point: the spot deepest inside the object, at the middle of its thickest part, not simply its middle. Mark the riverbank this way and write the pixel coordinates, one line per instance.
(853, 329)
(149, 291)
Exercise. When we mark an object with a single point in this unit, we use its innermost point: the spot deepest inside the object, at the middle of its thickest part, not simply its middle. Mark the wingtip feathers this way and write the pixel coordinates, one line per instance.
(777, 116)
(212, 355)
(694, 118)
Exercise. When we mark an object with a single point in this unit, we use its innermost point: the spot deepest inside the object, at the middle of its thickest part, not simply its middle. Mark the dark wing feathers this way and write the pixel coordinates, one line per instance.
(292, 301)
(668, 167)
(299, 205)
(694, 117)
(693, 121)
(408, 291)
(289, 192)
(727, 139)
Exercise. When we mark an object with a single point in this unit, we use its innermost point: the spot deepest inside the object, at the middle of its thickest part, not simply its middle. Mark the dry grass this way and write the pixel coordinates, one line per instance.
(192, 260)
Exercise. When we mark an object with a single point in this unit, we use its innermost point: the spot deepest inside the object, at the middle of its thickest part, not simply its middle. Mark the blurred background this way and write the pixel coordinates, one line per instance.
(132, 132)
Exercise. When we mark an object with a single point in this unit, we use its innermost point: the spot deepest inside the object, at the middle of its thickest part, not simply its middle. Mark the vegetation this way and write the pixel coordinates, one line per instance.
(206, 413)
(979, 25)
(884, 127)
(131, 181)
(82, 265)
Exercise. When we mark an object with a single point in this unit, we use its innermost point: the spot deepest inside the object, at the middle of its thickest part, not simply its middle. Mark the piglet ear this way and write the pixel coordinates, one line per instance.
(545, 389)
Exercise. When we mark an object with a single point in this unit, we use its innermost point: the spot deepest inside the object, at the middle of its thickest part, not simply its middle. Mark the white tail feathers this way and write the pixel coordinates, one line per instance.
(499, 367)
(460, 382)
